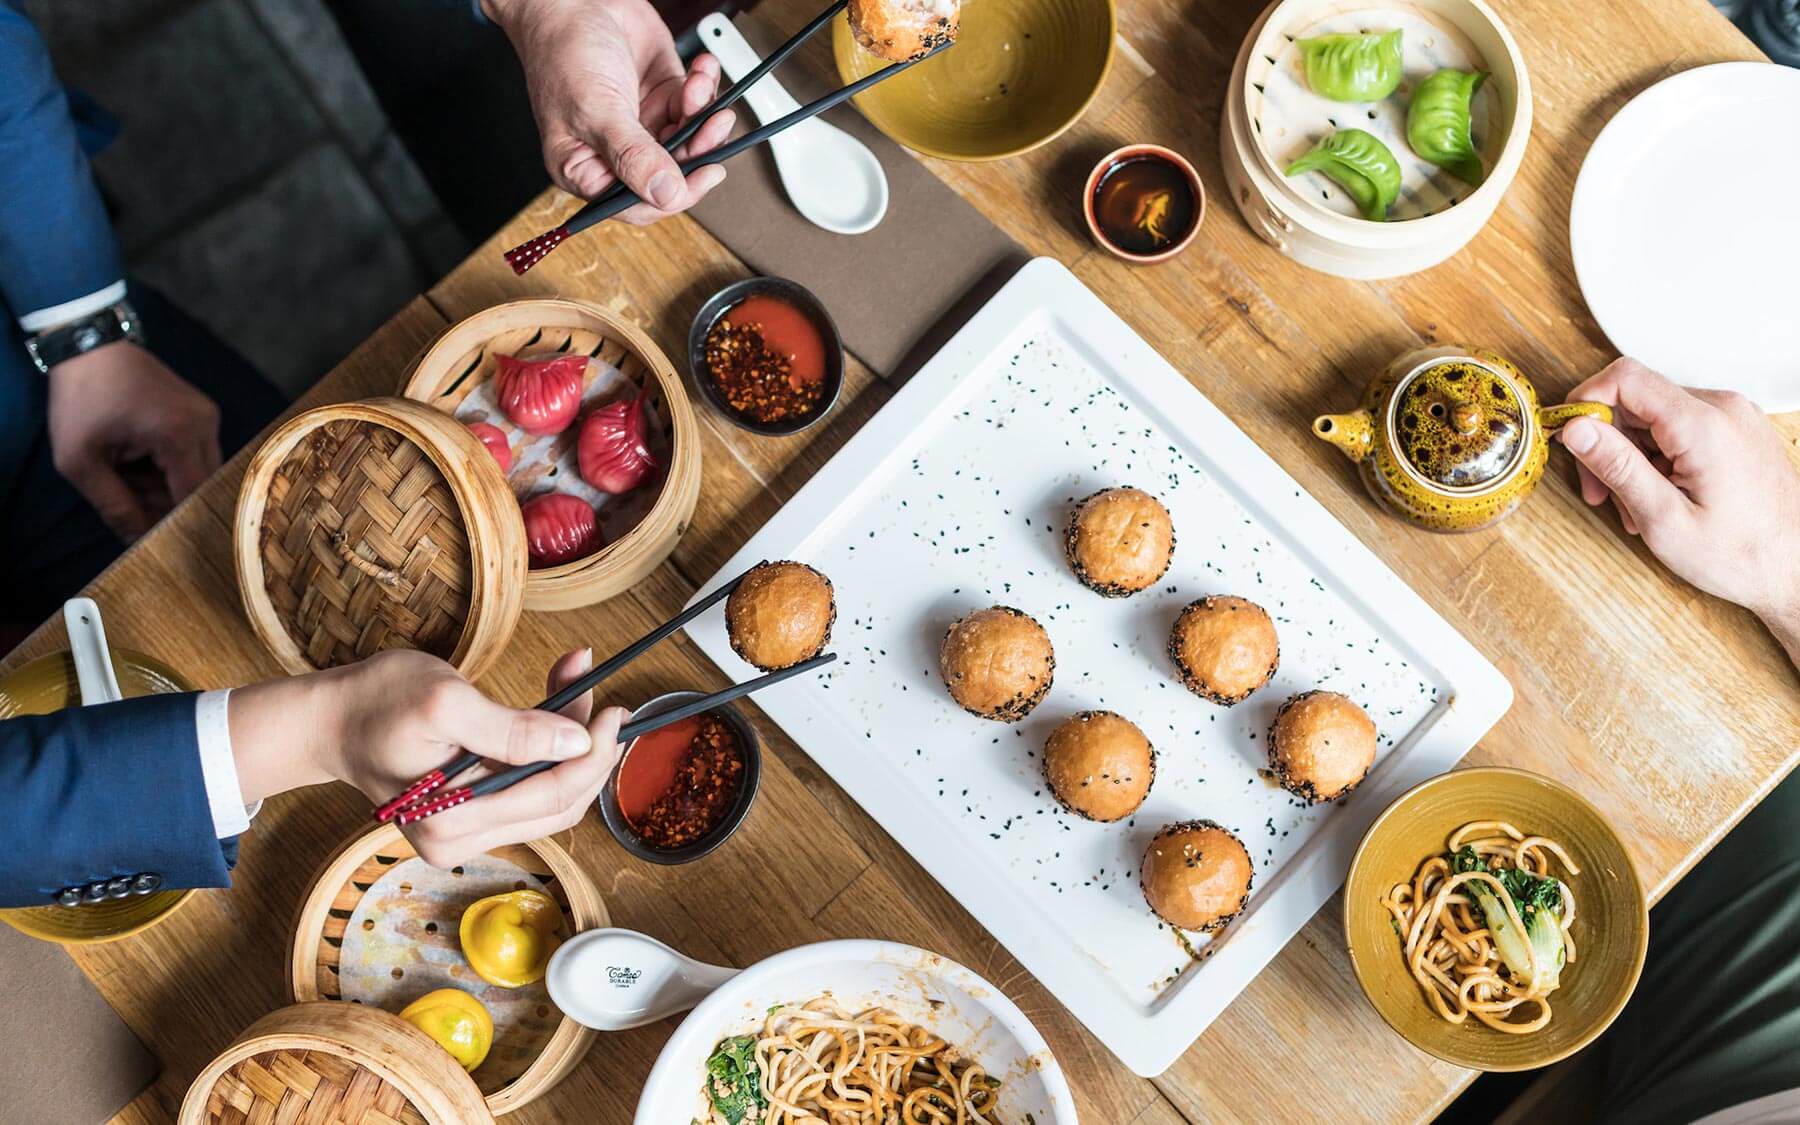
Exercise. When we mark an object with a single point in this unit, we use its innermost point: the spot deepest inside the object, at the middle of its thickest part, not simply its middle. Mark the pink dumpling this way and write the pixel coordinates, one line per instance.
(540, 396)
(613, 451)
(494, 438)
(559, 528)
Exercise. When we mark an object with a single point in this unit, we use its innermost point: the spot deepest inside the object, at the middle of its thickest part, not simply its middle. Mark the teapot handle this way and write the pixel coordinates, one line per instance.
(1554, 418)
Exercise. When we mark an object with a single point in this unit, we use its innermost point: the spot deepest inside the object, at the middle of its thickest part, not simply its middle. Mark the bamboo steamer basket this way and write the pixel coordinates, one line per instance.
(333, 1064)
(464, 357)
(319, 930)
(378, 524)
(385, 523)
(1289, 219)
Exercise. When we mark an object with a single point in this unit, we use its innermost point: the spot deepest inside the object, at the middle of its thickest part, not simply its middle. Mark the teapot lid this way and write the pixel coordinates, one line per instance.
(1458, 424)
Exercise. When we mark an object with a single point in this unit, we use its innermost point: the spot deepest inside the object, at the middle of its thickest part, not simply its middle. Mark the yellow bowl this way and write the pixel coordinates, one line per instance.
(1020, 73)
(1611, 928)
(48, 684)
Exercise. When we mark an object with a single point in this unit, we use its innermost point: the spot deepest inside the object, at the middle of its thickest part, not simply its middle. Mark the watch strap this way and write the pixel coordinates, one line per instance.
(118, 321)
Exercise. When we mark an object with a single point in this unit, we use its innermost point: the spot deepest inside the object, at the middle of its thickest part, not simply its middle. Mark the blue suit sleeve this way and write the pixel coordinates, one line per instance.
(56, 243)
(93, 793)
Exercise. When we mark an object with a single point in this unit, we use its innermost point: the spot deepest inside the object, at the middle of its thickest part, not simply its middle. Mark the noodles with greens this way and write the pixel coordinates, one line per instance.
(815, 1064)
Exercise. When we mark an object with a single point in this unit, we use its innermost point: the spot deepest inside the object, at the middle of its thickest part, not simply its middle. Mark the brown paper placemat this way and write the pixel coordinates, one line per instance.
(68, 1058)
(897, 292)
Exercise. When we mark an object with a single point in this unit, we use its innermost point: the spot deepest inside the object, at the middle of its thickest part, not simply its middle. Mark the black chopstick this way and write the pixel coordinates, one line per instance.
(466, 761)
(730, 96)
(637, 648)
(617, 198)
(493, 783)
(707, 702)
(602, 209)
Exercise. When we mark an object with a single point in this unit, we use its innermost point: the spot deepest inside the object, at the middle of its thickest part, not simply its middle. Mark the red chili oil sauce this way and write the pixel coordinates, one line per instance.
(786, 331)
(677, 783)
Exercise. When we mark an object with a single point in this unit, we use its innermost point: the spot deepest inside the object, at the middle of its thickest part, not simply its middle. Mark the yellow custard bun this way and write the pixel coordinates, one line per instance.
(508, 939)
(457, 1021)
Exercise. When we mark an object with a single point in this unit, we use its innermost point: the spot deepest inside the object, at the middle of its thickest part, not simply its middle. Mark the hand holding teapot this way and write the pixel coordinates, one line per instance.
(1451, 438)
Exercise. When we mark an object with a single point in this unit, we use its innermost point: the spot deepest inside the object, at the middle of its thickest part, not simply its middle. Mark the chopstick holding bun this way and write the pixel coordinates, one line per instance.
(904, 29)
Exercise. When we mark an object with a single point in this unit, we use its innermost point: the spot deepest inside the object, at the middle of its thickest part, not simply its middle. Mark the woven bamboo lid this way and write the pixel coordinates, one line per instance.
(333, 1064)
(378, 524)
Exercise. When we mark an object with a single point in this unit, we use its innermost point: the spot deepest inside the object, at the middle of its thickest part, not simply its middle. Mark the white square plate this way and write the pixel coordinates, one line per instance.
(954, 497)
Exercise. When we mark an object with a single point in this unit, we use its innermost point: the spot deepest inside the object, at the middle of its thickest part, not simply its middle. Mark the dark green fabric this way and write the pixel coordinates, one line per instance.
(1715, 1021)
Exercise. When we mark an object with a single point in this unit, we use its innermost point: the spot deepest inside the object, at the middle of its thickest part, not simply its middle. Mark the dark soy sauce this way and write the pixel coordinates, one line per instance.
(1144, 205)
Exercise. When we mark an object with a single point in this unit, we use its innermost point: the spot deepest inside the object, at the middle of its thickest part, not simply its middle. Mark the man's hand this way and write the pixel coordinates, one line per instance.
(1703, 477)
(607, 88)
(381, 723)
(117, 405)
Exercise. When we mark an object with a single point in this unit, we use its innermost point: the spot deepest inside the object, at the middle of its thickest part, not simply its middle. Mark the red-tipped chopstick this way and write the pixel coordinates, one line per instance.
(532, 251)
(451, 798)
(466, 761)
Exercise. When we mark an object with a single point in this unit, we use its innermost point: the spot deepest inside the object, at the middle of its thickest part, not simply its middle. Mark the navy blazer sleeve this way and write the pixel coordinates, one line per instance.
(56, 243)
(91, 794)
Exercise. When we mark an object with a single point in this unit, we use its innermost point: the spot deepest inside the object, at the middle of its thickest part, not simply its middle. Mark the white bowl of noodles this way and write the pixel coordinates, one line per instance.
(926, 999)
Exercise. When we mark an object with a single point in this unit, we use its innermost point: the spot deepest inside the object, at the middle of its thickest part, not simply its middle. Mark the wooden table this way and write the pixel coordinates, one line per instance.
(1674, 712)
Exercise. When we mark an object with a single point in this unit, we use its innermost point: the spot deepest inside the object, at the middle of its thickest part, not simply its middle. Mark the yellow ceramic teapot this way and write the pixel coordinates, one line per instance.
(1451, 437)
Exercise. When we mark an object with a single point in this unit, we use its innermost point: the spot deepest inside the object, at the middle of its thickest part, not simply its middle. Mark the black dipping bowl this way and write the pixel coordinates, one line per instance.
(614, 819)
(794, 294)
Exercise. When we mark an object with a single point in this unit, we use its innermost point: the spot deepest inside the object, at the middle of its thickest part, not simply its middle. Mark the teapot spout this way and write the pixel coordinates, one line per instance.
(1351, 433)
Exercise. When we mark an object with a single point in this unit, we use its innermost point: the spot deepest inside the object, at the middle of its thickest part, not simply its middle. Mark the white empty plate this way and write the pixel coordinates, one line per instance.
(1686, 230)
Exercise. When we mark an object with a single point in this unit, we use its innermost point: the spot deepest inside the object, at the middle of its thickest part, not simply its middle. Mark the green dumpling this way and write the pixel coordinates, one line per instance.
(1360, 164)
(1364, 67)
(1438, 123)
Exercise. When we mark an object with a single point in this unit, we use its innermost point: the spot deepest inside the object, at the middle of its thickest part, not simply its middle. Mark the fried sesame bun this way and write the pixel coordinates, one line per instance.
(904, 29)
(1196, 875)
(1099, 765)
(1321, 746)
(1119, 541)
(780, 615)
(997, 663)
(1224, 648)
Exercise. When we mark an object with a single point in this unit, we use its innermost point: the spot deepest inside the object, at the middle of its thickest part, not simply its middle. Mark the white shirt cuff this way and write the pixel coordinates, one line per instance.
(41, 319)
(224, 796)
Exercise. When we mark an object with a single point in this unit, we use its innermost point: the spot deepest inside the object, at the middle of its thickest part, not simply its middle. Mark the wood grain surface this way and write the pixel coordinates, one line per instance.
(1672, 711)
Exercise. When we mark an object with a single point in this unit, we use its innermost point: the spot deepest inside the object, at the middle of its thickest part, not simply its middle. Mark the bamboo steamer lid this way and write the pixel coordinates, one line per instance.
(378, 524)
(329, 1063)
(466, 355)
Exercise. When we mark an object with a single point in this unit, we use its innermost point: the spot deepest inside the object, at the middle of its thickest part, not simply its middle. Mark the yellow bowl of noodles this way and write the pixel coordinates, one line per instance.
(1495, 919)
(900, 1001)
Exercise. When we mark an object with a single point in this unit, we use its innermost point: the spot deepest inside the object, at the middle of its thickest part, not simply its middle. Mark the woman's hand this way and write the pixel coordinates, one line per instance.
(607, 89)
(381, 723)
(1706, 481)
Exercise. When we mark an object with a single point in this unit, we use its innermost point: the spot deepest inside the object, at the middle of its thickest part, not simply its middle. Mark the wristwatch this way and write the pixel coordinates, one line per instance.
(117, 321)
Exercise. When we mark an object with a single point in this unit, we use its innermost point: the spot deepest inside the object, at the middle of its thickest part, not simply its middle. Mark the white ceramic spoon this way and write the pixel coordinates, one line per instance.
(614, 980)
(94, 673)
(832, 178)
(93, 661)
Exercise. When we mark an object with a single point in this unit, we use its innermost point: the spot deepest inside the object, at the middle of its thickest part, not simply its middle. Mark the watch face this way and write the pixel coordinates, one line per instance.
(87, 338)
